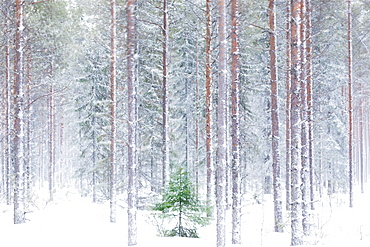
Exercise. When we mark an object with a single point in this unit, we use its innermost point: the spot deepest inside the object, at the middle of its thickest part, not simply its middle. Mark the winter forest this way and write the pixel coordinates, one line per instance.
(184, 122)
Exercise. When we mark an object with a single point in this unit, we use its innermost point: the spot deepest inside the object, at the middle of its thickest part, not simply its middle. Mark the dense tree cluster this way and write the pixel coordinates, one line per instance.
(110, 97)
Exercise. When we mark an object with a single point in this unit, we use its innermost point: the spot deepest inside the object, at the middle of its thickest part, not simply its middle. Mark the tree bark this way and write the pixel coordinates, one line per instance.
(278, 207)
(350, 103)
(287, 106)
(18, 151)
(296, 196)
(51, 139)
(361, 139)
(221, 128)
(132, 122)
(7, 108)
(235, 131)
(209, 147)
(112, 154)
(27, 141)
(310, 100)
(165, 149)
(304, 126)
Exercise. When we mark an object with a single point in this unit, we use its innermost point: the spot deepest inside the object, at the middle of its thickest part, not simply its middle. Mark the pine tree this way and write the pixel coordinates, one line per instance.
(181, 202)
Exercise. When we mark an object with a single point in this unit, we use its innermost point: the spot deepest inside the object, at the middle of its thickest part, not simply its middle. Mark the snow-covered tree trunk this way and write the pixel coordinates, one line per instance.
(132, 122)
(209, 104)
(27, 140)
(94, 152)
(197, 117)
(18, 152)
(278, 201)
(51, 139)
(296, 193)
(221, 168)
(287, 107)
(309, 98)
(235, 132)
(165, 147)
(7, 102)
(112, 106)
(304, 126)
(361, 139)
(350, 103)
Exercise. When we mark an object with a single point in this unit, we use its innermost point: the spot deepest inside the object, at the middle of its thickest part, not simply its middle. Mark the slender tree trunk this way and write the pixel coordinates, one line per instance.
(187, 127)
(7, 109)
(209, 149)
(112, 163)
(94, 154)
(27, 163)
(235, 132)
(304, 126)
(18, 152)
(350, 104)
(287, 106)
(221, 171)
(309, 100)
(132, 123)
(165, 149)
(296, 197)
(361, 139)
(197, 120)
(278, 202)
(51, 140)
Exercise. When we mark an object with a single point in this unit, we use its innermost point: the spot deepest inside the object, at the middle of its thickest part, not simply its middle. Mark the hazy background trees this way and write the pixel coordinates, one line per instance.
(66, 76)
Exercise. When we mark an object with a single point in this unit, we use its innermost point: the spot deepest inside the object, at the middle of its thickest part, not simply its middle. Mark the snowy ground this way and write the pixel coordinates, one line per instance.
(74, 221)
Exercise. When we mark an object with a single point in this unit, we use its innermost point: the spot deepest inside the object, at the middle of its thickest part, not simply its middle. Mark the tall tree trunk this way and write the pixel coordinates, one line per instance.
(235, 132)
(112, 163)
(304, 126)
(18, 152)
(187, 127)
(221, 171)
(278, 203)
(350, 104)
(361, 138)
(209, 147)
(132, 122)
(196, 107)
(287, 106)
(296, 196)
(27, 163)
(94, 154)
(51, 139)
(309, 99)
(165, 149)
(7, 108)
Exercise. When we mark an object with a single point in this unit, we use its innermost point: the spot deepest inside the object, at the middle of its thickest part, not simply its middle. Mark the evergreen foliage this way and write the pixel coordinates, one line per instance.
(181, 203)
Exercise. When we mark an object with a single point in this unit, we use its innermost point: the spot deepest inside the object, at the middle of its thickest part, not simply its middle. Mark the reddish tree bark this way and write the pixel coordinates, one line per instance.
(278, 214)
(209, 149)
(287, 110)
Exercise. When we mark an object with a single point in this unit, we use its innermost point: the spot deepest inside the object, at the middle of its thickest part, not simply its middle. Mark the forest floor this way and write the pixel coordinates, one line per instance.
(74, 221)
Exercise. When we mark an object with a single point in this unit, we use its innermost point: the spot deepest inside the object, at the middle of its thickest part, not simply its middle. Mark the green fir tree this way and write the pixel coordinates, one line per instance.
(181, 203)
